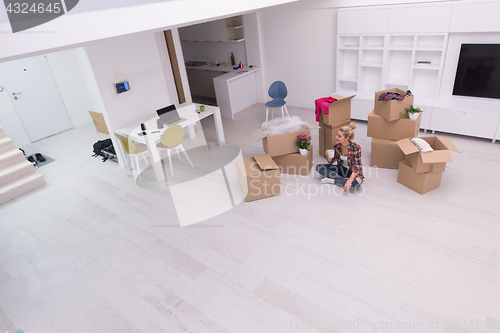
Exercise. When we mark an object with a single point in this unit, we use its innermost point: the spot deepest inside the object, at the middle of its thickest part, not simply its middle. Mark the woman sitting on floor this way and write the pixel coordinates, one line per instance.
(344, 169)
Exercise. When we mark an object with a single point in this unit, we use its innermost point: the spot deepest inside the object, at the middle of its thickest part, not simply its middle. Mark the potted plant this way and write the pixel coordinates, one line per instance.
(412, 112)
(303, 142)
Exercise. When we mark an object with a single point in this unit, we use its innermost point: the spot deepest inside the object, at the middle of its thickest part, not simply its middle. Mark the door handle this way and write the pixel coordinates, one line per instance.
(17, 93)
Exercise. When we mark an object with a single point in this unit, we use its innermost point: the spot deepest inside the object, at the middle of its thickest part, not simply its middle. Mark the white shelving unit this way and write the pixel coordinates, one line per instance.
(367, 63)
(413, 57)
(234, 29)
(227, 30)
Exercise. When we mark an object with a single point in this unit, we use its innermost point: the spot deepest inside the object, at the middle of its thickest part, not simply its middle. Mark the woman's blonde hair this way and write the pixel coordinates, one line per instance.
(348, 131)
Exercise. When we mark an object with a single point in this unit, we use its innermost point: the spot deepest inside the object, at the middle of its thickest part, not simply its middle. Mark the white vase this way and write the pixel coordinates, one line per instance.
(303, 151)
(413, 116)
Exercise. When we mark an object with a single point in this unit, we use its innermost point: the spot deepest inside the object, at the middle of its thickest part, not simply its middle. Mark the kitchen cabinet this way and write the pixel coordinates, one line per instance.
(201, 82)
(227, 30)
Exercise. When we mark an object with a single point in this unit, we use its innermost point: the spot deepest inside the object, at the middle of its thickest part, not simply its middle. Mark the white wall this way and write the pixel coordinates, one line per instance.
(298, 47)
(134, 58)
(70, 81)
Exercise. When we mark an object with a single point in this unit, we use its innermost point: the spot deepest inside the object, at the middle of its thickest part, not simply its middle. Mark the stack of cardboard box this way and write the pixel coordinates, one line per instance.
(386, 125)
(422, 171)
(339, 114)
(259, 176)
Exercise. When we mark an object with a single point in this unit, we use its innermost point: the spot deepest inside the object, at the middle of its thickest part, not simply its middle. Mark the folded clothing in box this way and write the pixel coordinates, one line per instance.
(392, 105)
(430, 161)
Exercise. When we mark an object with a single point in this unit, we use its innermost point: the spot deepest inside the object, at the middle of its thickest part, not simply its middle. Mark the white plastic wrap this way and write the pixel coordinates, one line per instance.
(421, 144)
(283, 125)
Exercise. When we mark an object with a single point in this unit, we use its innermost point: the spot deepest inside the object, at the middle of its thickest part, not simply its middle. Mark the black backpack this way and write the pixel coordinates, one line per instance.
(99, 146)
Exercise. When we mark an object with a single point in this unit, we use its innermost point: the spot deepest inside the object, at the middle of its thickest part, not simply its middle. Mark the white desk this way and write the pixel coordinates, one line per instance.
(153, 134)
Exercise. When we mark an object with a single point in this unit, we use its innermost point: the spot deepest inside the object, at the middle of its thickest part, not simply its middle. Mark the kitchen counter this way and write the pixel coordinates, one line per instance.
(236, 90)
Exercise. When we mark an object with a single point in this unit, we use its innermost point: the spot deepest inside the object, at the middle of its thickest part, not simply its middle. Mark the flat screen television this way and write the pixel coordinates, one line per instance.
(478, 71)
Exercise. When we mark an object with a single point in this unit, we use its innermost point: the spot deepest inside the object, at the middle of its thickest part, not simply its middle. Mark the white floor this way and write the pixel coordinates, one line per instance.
(93, 252)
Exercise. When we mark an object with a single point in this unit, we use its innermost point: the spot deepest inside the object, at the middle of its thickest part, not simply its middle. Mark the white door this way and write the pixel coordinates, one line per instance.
(35, 95)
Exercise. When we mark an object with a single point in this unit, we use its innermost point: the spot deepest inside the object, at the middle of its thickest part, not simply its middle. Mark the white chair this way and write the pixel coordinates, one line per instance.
(171, 139)
(133, 149)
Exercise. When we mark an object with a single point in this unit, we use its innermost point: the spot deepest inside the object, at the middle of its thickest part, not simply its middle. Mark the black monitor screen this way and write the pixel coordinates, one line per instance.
(478, 72)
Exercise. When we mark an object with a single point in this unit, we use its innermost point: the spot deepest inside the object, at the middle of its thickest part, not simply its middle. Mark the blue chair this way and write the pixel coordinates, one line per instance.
(278, 92)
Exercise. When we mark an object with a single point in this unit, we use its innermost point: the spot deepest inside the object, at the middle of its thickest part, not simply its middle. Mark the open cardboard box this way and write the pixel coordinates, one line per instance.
(282, 144)
(393, 109)
(431, 161)
(380, 128)
(339, 111)
(327, 134)
(385, 154)
(259, 177)
(295, 164)
(419, 182)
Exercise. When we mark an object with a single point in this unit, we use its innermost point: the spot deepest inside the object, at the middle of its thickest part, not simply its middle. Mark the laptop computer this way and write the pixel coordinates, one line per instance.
(169, 115)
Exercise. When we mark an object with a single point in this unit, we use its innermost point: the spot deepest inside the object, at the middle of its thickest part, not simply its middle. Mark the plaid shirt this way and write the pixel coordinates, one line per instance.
(353, 157)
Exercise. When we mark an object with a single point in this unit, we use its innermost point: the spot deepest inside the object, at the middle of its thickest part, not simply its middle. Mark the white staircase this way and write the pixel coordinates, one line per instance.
(17, 175)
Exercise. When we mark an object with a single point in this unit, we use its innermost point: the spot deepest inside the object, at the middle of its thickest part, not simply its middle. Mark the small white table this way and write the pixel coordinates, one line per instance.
(153, 134)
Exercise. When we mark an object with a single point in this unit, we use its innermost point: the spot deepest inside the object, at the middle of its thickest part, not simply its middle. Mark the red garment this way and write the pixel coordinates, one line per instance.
(322, 104)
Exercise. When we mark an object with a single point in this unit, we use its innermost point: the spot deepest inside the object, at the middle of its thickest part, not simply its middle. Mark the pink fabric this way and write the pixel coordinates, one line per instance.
(322, 104)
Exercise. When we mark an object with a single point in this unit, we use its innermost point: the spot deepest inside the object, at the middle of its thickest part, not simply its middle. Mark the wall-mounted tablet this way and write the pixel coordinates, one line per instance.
(122, 87)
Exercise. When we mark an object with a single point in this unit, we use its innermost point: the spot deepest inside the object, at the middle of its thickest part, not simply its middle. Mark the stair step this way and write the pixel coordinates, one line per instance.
(20, 187)
(14, 172)
(10, 158)
(6, 144)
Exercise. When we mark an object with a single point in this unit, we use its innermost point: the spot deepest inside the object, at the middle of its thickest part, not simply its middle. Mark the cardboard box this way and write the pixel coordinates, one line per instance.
(259, 177)
(339, 111)
(327, 134)
(380, 128)
(385, 154)
(99, 123)
(282, 144)
(419, 182)
(431, 161)
(295, 164)
(393, 109)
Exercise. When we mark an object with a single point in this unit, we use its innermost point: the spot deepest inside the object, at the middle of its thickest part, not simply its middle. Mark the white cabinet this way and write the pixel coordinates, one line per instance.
(419, 19)
(227, 30)
(360, 21)
(472, 123)
(466, 17)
